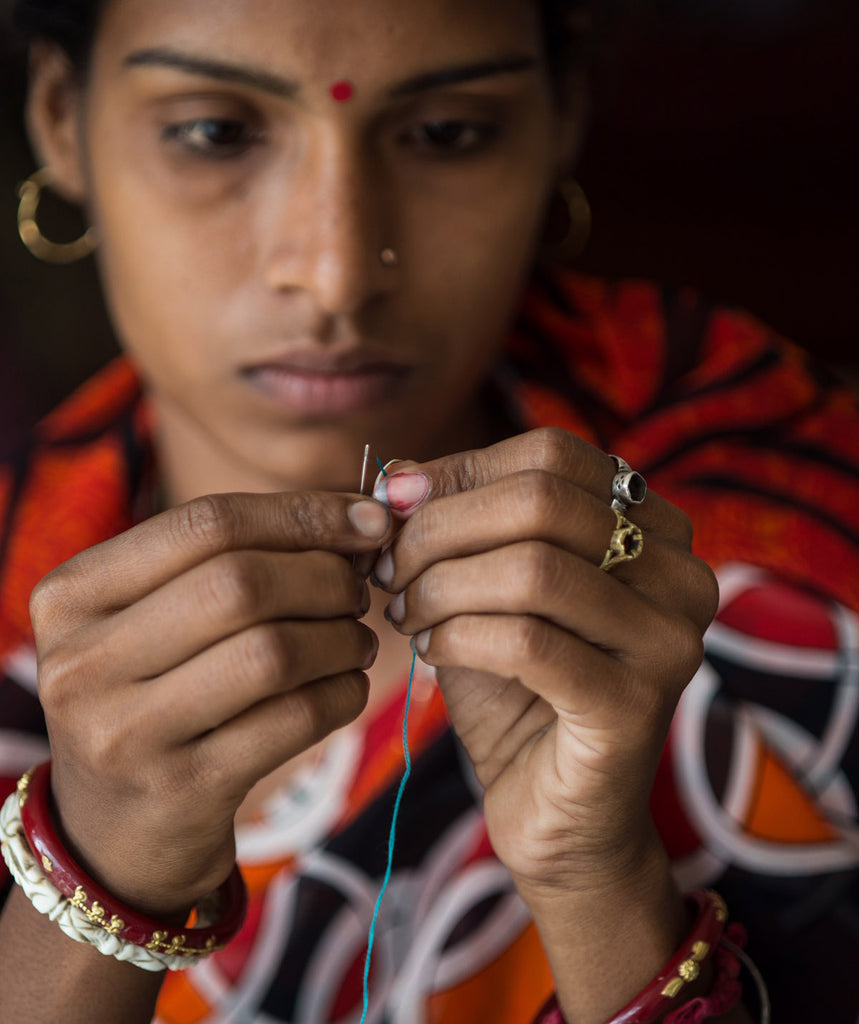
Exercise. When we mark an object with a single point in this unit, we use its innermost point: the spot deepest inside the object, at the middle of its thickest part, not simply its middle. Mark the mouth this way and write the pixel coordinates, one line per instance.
(320, 384)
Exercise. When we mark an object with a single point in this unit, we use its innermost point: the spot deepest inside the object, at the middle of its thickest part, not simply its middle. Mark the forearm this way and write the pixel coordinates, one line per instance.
(607, 942)
(48, 977)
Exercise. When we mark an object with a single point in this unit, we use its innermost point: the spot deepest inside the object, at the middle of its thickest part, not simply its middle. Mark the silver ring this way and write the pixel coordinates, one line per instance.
(628, 488)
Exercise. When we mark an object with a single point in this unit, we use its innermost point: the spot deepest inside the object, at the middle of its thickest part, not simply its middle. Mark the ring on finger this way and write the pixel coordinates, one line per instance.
(627, 487)
(625, 544)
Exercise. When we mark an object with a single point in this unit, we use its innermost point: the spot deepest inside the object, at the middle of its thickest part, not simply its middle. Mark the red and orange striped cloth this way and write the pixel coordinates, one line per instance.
(757, 790)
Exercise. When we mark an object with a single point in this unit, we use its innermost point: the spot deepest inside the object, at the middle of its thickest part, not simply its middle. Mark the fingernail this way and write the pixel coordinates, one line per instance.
(402, 491)
(396, 610)
(385, 471)
(383, 571)
(365, 599)
(421, 641)
(374, 650)
(369, 518)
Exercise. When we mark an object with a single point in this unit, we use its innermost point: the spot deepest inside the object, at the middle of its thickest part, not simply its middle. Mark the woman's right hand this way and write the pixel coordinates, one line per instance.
(185, 659)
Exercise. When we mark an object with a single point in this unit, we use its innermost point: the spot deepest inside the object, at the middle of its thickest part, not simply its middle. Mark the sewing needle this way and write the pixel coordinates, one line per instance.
(361, 487)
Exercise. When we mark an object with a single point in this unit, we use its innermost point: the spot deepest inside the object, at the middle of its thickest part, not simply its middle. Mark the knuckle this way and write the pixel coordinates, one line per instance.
(535, 571)
(231, 585)
(466, 473)
(266, 654)
(685, 531)
(207, 522)
(53, 599)
(47, 596)
(345, 583)
(107, 744)
(57, 676)
(683, 642)
(338, 701)
(550, 448)
(305, 517)
(527, 640)
(709, 590)
(538, 493)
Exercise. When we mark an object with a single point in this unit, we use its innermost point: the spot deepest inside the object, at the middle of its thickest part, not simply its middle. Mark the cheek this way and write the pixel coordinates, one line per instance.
(476, 259)
(168, 276)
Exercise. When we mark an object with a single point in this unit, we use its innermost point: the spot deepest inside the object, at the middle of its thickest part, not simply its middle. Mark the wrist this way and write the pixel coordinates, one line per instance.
(620, 872)
(608, 934)
(60, 888)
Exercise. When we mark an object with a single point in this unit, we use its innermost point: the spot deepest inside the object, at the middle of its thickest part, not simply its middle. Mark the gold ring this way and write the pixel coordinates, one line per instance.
(626, 543)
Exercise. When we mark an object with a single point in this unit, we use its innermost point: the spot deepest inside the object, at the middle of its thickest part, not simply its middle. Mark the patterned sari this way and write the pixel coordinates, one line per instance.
(756, 791)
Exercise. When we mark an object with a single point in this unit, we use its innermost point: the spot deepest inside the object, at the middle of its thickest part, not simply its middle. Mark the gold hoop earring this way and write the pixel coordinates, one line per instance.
(568, 221)
(29, 194)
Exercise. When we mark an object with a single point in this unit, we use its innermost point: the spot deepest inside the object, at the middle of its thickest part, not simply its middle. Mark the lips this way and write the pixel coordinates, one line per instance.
(321, 383)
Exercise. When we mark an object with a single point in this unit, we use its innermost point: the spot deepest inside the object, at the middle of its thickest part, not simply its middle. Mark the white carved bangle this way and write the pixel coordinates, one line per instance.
(48, 900)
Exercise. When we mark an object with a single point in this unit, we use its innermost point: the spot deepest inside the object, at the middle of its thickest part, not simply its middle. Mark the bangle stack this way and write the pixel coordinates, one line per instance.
(59, 888)
(708, 938)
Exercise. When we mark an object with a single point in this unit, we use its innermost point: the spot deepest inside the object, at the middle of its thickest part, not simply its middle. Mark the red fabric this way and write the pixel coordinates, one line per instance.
(724, 419)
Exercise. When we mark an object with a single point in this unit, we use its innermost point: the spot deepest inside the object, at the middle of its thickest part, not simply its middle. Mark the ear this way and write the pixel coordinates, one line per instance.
(54, 119)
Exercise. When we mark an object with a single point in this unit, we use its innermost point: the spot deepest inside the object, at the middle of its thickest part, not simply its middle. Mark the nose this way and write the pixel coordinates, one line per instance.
(327, 235)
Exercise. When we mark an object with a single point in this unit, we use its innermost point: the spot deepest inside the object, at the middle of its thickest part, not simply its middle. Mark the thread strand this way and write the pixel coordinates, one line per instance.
(392, 837)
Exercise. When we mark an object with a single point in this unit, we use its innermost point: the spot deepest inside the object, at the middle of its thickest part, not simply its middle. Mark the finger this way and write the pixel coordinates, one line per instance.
(549, 449)
(248, 668)
(578, 679)
(528, 505)
(530, 578)
(223, 596)
(533, 578)
(119, 571)
(268, 734)
(676, 582)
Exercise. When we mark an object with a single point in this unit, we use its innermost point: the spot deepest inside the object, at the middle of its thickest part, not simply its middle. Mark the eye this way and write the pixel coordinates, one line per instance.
(451, 138)
(212, 137)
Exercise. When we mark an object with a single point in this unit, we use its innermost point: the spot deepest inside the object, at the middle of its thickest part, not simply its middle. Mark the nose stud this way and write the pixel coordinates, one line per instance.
(389, 257)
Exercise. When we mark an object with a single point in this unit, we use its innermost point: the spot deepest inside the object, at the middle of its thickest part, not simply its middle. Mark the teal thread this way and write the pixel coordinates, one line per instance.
(392, 835)
(381, 467)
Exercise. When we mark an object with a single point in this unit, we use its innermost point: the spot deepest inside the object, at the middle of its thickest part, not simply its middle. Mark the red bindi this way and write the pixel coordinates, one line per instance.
(342, 91)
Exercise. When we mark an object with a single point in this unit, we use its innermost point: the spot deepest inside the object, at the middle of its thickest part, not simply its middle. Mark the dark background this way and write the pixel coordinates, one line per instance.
(722, 153)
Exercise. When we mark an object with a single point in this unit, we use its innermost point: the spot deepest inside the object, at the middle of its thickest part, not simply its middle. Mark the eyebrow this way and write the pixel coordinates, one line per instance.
(209, 68)
(464, 73)
(284, 87)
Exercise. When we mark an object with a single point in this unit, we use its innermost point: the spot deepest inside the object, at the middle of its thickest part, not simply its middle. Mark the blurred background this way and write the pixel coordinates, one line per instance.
(723, 153)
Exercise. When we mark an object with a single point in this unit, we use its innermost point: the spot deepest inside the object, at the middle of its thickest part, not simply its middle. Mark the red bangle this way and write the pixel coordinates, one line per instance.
(661, 994)
(685, 966)
(726, 990)
(228, 902)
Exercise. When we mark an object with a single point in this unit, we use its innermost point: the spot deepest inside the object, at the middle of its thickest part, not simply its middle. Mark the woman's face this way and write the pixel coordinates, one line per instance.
(246, 164)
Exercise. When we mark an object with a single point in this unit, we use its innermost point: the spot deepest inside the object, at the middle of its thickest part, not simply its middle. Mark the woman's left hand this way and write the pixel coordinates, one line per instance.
(560, 678)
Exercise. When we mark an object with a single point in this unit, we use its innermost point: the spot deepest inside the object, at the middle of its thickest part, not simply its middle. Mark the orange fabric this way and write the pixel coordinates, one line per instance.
(723, 418)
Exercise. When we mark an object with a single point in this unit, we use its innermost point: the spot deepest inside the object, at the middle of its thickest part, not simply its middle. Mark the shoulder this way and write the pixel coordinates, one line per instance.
(640, 345)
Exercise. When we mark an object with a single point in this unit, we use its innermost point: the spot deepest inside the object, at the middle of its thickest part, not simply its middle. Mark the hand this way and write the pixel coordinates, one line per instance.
(187, 658)
(560, 679)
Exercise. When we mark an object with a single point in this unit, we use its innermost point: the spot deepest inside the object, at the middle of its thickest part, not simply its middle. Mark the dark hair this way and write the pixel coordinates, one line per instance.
(72, 25)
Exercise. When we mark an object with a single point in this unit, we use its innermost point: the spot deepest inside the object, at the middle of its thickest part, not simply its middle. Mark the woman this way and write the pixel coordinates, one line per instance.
(316, 223)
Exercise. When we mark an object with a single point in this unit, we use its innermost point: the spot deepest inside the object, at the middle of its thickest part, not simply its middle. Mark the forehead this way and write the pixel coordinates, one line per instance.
(366, 39)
